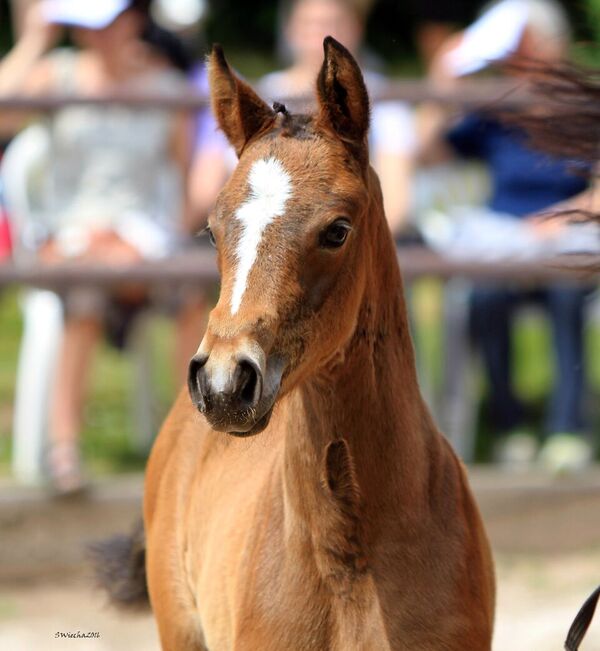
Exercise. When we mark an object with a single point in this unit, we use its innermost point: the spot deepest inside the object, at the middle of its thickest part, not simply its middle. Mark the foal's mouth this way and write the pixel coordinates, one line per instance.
(257, 427)
(244, 423)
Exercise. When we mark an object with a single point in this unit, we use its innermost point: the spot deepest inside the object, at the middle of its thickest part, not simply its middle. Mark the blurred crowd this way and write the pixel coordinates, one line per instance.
(120, 185)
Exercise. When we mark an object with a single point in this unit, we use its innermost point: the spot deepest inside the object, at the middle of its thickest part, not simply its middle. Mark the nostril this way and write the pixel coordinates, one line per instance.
(195, 383)
(249, 384)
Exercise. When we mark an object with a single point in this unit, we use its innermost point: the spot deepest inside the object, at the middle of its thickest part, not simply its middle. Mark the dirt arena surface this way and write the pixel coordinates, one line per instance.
(537, 599)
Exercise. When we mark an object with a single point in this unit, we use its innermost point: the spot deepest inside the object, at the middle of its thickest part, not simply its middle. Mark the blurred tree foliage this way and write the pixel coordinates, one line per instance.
(587, 49)
(5, 31)
(593, 12)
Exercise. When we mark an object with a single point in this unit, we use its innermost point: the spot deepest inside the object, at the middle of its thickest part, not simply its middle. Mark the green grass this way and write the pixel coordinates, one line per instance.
(10, 329)
(108, 432)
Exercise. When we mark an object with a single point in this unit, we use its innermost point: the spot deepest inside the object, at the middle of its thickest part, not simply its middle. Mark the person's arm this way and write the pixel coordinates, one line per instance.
(434, 119)
(432, 123)
(24, 69)
(585, 205)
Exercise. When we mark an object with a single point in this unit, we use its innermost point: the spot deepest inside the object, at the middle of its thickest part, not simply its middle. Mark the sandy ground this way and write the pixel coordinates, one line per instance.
(537, 599)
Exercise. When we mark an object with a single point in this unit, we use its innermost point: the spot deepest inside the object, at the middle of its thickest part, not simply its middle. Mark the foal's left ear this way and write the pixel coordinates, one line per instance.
(343, 97)
(239, 111)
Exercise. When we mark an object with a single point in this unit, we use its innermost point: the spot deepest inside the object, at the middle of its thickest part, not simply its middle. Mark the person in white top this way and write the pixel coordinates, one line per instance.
(392, 136)
(108, 166)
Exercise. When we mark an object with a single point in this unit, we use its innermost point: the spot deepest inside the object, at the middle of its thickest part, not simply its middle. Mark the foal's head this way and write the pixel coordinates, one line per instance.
(292, 237)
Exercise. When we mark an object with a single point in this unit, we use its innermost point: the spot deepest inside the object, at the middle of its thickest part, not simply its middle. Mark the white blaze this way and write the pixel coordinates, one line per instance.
(270, 188)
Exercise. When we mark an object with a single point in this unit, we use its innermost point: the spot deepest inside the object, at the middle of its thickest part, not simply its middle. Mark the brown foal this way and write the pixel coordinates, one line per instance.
(348, 523)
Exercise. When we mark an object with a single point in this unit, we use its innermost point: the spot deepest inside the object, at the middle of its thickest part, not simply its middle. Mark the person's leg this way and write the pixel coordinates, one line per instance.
(66, 408)
(566, 449)
(565, 306)
(80, 337)
(491, 311)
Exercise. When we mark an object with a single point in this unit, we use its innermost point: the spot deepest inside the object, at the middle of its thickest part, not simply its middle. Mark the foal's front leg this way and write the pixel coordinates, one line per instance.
(171, 598)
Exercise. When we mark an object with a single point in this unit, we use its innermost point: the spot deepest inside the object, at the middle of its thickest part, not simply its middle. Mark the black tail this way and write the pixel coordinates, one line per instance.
(582, 622)
(120, 568)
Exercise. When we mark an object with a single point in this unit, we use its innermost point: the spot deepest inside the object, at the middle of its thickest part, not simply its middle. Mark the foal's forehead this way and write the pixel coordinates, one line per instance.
(306, 170)
(304, 160)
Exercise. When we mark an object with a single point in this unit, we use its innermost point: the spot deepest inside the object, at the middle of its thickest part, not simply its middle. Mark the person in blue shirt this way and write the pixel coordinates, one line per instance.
(525, 182)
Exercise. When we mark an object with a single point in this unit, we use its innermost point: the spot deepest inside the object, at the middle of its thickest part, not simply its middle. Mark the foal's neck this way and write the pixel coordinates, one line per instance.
(370, 398)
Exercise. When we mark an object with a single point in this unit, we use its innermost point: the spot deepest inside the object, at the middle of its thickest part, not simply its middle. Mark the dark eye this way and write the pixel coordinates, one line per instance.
(335, 234)
(211, 236)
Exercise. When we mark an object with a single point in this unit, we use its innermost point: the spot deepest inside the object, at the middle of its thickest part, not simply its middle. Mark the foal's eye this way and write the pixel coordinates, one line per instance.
(335, 234)
(211, 236)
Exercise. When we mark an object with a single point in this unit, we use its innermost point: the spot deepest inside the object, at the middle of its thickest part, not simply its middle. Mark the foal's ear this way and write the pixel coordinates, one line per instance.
(343, 97)
(239, 111)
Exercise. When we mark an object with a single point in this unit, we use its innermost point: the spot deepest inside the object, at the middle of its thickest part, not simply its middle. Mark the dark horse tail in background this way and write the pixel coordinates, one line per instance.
(564, 120)
(568, 123)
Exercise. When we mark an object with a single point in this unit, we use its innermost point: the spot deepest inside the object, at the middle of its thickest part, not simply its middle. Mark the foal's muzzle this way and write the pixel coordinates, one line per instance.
(231, 392)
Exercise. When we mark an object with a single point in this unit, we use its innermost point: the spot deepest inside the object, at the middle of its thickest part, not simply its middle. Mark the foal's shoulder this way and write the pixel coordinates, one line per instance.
(181, 432)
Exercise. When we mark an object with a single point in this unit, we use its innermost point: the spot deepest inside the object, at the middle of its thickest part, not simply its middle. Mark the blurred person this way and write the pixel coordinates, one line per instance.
(108, 164)
(392, 141)
(525, 181)
(437, 21)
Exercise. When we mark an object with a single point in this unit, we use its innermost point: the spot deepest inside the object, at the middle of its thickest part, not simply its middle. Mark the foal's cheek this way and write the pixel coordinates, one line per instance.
(316, 292)
(321, 278)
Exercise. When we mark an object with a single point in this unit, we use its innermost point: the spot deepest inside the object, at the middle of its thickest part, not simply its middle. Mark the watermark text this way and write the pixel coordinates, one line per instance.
(93, 635)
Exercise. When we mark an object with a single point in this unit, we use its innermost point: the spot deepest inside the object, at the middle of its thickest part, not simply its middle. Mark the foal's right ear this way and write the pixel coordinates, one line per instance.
(343, 98)
(239, 111)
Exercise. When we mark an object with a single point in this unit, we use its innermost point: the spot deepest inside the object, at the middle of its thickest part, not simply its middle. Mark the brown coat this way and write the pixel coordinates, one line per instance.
(348, 523)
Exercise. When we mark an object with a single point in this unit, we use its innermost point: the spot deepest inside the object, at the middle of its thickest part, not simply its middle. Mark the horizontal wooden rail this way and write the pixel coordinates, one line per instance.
(200, 268)
(497, 93)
